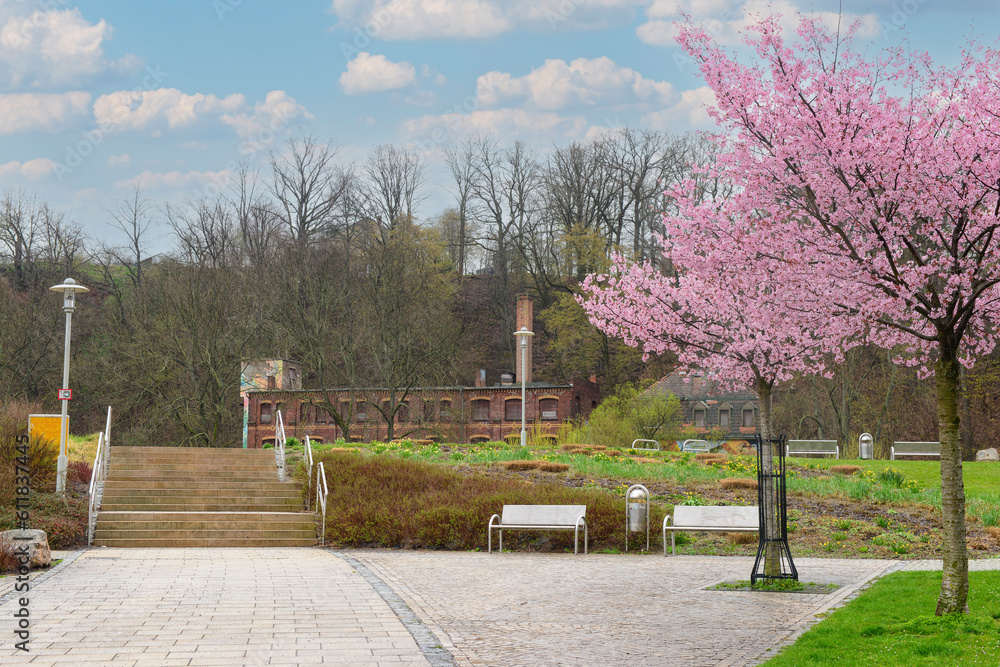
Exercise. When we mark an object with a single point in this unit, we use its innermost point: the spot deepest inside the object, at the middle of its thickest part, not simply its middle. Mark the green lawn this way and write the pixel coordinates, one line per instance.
(875, 629)
(979, 478)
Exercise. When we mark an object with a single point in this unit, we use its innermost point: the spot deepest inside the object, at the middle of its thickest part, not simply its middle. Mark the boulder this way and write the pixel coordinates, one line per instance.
(988, 455)
(36, 546)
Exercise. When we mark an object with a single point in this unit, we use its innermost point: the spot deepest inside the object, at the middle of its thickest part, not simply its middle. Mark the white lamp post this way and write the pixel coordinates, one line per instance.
(523, 335)
(69, 288)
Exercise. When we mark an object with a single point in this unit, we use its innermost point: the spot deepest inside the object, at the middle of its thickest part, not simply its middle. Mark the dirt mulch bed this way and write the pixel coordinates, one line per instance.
(816, 523)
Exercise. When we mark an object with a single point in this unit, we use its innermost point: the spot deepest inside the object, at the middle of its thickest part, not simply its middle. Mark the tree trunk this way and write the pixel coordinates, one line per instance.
(955, 579)
(772, 557)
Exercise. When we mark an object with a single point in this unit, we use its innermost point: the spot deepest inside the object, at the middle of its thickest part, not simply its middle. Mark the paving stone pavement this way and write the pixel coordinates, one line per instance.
(316, 606)
(208, 607)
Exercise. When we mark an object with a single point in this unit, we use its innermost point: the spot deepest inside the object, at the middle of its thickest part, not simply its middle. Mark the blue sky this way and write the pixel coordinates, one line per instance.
(97, 97)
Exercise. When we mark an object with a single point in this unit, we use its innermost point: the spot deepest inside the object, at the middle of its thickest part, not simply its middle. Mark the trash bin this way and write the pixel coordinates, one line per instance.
(866, 446)
(636, 512)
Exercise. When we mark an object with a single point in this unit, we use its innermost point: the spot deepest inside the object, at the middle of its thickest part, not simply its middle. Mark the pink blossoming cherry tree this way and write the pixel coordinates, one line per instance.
(873, 185)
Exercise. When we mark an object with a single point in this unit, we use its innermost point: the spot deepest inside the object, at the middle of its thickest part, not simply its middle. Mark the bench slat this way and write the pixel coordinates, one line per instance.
(542, 515)
(690, 516)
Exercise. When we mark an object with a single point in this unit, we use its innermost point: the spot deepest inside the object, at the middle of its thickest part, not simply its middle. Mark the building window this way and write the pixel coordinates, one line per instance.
(748, 417)
(403, 412)
(320, 414)
(265, 413)
(549, 408)
(699, 417)
(481, 410)
(446, 410)
(512, 409)
(724, 419)
(361, 414)
(428, 410)
(345, 410)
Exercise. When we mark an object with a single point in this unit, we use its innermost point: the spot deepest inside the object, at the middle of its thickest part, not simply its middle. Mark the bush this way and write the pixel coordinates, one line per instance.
(386, 501)
(738, 483)
(43, 455)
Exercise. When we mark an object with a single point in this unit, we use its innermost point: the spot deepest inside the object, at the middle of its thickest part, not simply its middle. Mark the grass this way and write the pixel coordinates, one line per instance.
(874, 629)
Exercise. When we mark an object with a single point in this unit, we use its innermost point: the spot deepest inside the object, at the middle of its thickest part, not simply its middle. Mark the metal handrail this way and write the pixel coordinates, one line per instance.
(321, 493)
(309, 471)
(98, 474)
(95, 475)
(279, 447)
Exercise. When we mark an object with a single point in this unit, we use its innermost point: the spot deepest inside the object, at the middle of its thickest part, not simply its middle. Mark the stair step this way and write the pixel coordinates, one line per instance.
(215, 533)
(237, 492)
(167, 542)
(174, 497)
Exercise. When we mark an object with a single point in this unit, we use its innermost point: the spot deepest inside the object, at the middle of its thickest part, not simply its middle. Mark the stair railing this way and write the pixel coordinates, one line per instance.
(98, 474)
(321, 493)
(95, 478)
(309, 471)
(279, 447)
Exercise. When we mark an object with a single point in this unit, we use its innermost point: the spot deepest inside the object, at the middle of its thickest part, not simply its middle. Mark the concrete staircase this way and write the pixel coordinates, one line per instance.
(194, 497)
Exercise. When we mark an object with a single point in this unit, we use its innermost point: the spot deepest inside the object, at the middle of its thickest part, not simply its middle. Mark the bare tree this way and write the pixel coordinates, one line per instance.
(206, 232)
(257, 220)
(131, 217)
(308, 184)
(392, 178)
(461, 162)
(19, 232)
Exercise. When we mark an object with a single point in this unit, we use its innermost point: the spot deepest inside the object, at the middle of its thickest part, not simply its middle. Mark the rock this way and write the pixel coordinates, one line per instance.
(36, 546)
(988, 455)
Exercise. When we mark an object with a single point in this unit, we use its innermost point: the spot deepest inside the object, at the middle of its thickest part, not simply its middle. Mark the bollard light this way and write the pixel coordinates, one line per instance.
(69, 288)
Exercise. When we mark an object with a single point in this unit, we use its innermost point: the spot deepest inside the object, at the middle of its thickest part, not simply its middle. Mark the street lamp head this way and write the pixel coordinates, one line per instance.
(69, 288)
(524, 334)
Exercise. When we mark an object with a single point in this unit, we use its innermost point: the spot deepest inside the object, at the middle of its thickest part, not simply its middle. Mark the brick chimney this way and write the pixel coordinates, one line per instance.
(525, 319)
(481, 378)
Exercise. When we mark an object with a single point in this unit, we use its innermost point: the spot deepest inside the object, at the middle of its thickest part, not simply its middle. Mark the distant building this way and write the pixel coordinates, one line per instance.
(706, 407)
(461, 414)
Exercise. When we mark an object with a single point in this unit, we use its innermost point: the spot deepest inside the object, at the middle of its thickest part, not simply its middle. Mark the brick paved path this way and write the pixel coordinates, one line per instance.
(208, 607)
(310, 606)
(555, 609)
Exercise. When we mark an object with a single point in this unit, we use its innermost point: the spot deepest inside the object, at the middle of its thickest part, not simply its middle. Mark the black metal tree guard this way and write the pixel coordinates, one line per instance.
(774, 558)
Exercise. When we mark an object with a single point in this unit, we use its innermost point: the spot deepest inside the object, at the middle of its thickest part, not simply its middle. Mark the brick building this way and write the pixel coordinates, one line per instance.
(462, 414)
(707, 407)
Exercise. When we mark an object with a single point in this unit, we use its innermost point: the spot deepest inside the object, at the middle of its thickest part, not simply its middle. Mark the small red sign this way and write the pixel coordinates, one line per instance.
(65, 394)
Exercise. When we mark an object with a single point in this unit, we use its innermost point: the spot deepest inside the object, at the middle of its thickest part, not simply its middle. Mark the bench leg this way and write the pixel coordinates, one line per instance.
(673, 548)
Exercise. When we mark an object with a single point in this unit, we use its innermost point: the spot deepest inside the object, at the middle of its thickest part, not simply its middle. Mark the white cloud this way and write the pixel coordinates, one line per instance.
(469, 19)
(175, 179)
(690, 112)
(276, 111)
(726, 20)
(116, 160)
(53, 47)
(587, 82)
(23, 112)
(512, 123)
(139, 110)
(33, 169)
(375, 74)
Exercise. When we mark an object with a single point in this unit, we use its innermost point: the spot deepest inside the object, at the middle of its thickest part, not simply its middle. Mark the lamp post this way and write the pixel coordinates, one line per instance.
(69, 288)
(523, 335)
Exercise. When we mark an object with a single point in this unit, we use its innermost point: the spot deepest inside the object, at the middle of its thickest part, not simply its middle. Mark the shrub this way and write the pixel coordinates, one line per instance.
(519, 465)
(738, 483)
(78, 475)
(552, 466)
(846, 469)
(385, 501)
(43, 454)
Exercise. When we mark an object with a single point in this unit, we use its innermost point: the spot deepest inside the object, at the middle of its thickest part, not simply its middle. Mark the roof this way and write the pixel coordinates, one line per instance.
(696, 384)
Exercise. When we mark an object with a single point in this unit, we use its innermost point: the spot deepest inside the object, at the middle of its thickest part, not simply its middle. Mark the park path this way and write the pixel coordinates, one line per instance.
(305, 606)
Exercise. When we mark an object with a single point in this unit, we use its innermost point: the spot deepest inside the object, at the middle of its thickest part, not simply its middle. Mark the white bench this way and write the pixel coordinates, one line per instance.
(540, 517)
(731, 519)
(798, 447)
(700, 446)
(914, 449)
(654, 448)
